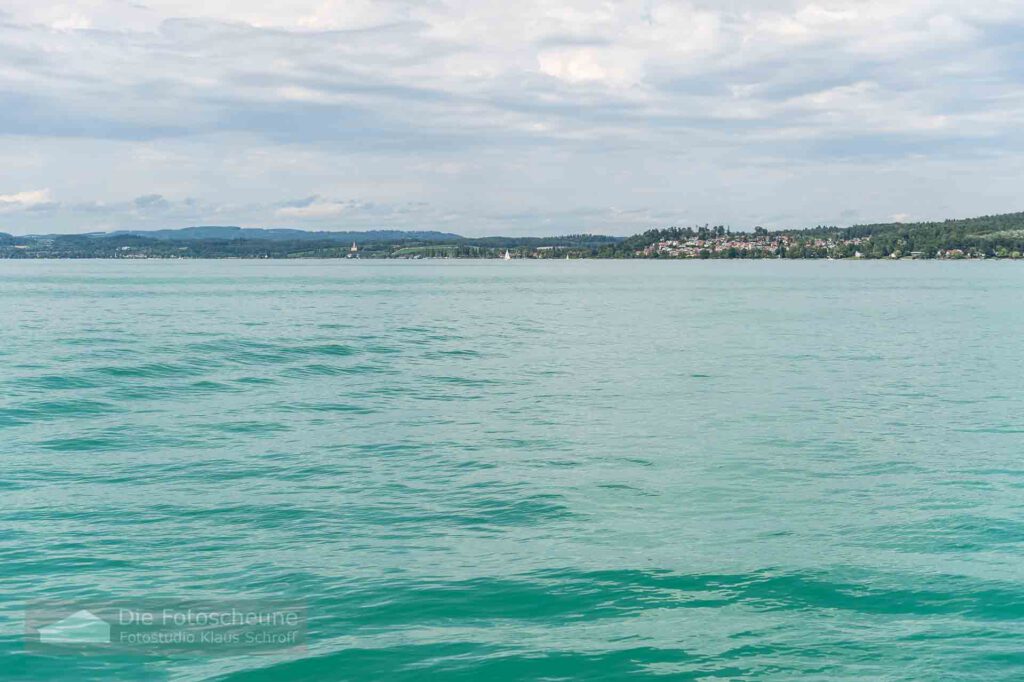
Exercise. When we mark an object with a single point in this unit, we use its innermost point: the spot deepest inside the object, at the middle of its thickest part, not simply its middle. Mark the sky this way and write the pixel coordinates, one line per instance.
(524, 117)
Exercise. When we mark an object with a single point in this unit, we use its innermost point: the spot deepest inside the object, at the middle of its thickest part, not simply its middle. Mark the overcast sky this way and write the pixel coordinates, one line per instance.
(507, 116)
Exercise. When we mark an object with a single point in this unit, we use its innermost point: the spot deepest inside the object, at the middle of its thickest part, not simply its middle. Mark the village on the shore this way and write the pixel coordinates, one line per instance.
(764, 244)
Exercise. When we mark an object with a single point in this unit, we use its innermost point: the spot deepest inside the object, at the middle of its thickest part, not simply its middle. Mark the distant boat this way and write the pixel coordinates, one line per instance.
(508, 256)
(566, 256)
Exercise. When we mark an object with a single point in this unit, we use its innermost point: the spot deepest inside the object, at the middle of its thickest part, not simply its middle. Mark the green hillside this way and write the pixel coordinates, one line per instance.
(994, 235)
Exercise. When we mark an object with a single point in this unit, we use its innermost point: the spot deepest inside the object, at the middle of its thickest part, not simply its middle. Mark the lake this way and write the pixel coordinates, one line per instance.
(480, 470)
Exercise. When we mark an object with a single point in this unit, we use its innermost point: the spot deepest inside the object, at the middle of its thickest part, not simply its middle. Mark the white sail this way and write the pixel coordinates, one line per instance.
(508, 256)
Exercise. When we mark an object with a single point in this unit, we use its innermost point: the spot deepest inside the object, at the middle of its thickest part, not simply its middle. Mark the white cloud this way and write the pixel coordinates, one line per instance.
(20, 201)
(318, 209)
(481, 106)
(583, 65)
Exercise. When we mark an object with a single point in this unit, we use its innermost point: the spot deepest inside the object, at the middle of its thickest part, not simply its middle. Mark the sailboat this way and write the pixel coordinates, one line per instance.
(566, 256)
(508, 256)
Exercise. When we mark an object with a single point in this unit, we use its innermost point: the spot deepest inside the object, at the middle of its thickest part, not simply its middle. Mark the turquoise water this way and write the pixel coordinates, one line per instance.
(527, 470)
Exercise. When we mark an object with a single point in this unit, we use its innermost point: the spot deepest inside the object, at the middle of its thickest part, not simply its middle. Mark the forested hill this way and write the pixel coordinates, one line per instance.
(254, 243)
(997, 236)
(992, 235)
(963, 228)
(283, 234)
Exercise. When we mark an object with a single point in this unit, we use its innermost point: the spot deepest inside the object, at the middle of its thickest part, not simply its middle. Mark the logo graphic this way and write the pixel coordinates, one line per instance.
(171, 627)
(81, 627)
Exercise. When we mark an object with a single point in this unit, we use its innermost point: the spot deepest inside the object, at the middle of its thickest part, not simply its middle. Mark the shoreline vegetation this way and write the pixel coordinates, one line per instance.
(999, 236)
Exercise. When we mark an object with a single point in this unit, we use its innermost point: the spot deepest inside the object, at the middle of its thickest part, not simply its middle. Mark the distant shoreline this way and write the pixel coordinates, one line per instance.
(987, 237)
(491, 259)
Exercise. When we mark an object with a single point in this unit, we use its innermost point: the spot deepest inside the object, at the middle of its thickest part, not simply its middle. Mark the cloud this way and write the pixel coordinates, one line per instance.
(315, 209)
(25, 201)
(150, 202)
(685, 108)
(590, 64)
